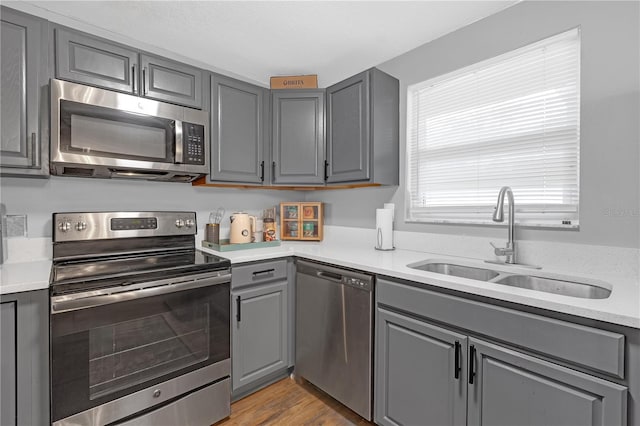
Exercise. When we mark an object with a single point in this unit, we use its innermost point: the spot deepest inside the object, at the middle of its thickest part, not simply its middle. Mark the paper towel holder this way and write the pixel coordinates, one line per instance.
(379, 241)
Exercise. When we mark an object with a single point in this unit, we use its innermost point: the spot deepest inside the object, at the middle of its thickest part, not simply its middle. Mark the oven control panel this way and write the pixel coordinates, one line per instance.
(109, 225)
(125, 223)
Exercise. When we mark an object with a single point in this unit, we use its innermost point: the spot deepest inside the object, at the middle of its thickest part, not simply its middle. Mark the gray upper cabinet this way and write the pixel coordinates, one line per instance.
(94, 61)
(363, 129)
(24, 108)
(239, 140)
(511, 388)
(171, 81)
(98, 62)
(298, 137)
(24, 358)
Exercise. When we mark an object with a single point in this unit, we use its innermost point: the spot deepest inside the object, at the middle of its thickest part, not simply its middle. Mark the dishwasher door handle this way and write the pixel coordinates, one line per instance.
(336, 278)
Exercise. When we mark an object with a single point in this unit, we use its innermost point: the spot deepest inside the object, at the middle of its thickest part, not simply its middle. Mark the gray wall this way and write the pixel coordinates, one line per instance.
(39, 198)
(610, 111)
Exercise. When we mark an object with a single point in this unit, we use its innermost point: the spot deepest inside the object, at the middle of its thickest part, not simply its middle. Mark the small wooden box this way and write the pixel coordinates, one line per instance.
(301, 221)
(295, 82)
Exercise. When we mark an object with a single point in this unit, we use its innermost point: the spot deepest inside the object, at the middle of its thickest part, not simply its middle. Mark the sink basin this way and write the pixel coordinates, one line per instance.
(557, 286)
(462, 271)
(564, 286)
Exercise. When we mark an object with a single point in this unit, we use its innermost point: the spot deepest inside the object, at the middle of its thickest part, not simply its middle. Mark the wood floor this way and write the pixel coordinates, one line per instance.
(288, 402)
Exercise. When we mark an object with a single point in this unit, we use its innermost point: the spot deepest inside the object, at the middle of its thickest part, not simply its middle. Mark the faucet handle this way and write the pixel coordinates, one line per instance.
(501, 251)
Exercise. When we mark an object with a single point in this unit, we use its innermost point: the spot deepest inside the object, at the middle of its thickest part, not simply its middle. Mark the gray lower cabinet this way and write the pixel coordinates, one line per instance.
(260, 324)
(239, 139)
(298, 137)
(511, 388)
(24, 107)
(24, 358)
(94, 61)
(433, 368)
(419, 380)
(363, 129)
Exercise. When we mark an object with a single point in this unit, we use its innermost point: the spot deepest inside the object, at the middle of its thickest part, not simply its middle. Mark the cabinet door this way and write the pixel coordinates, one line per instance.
(24, 358)
(510, 388)
(298, 137)
(237, 131)
(348, 121)
(97, 62)
(259, 332)
(24, 67)
(420, 373)
(8, 385)
(170, 81)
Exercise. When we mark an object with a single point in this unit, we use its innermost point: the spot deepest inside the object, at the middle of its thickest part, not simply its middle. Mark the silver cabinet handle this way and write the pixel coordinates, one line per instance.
(34, 154)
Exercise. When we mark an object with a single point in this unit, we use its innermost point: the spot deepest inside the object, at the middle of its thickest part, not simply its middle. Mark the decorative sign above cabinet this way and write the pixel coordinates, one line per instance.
(295, 82)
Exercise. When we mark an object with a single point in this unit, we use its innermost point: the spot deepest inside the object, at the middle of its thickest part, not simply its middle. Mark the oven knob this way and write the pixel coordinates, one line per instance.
(189, 223)
(179, 223)
(64, 226)
(81, 226)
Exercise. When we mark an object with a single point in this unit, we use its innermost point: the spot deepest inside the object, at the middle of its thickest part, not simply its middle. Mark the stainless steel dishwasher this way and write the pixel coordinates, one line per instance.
(334, 333)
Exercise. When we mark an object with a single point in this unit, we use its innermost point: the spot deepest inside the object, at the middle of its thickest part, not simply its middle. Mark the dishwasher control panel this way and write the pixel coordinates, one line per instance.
(357, 282)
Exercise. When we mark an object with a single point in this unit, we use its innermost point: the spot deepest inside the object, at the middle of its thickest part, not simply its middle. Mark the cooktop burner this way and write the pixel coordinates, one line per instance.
(106, 249)
(88, 274)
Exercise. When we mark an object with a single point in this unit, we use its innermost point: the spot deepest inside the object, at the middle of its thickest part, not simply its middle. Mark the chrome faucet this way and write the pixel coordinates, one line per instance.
(498, 216)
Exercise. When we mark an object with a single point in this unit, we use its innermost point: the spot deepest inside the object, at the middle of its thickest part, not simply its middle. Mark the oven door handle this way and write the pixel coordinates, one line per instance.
(92, 299)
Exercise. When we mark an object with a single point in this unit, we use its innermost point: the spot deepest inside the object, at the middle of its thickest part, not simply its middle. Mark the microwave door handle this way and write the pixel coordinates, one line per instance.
(179, 143)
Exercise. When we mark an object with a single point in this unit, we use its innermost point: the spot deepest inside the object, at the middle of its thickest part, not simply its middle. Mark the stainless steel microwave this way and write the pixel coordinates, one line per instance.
(100, 133)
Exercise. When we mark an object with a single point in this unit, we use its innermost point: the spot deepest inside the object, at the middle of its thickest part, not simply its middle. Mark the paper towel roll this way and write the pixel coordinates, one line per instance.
(391, 207)
(384, 229)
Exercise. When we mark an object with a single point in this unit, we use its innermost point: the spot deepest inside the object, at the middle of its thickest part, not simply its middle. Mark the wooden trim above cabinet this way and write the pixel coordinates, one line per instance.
(202, 181)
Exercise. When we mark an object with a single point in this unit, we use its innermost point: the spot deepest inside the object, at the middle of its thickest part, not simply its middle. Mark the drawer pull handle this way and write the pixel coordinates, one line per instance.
(266, 271)
(238, 308)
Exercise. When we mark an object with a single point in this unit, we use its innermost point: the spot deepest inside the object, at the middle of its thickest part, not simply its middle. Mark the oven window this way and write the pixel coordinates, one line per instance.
(103, 353)
(127, 353)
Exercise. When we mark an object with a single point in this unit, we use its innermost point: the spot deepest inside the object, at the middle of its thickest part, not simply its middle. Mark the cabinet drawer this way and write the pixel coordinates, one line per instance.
(563, 340)
(258, 273)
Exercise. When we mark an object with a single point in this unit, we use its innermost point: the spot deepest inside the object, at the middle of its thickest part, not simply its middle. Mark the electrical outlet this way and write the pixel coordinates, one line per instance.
(16, 225)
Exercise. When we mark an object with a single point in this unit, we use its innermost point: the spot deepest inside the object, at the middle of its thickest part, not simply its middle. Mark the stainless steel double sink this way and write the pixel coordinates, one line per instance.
(566, 286)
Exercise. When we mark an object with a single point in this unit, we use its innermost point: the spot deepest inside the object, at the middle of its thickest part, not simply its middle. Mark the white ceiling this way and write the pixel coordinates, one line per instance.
(259, 39)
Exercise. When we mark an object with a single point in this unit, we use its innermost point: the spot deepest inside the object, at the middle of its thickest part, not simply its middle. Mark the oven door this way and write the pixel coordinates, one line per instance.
(107, 346)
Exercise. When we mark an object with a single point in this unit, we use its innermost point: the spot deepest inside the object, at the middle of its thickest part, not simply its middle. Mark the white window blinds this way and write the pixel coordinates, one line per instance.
(512, 120)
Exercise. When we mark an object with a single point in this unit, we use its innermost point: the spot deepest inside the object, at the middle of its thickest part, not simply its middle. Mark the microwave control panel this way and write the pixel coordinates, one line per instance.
(193, 136)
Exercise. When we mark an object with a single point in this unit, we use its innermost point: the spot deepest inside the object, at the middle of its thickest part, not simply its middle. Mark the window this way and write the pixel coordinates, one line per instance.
(513, 120)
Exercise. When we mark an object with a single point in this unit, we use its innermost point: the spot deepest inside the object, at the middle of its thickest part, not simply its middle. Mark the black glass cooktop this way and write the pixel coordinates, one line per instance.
(100, 272)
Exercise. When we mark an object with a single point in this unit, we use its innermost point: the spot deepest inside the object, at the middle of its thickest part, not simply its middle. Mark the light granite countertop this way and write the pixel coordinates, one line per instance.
(621, 307)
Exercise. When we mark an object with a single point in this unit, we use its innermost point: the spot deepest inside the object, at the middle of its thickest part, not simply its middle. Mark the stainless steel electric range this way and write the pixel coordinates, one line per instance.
(140, 331)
